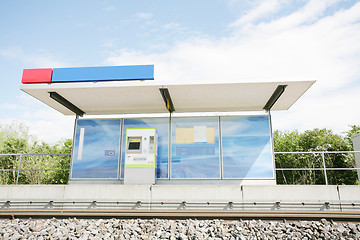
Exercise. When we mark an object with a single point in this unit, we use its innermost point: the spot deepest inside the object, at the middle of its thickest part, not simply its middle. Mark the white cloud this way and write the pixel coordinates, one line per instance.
(10, 106)
(334, 110)
(144, 15)
(310, 12)
(48, 130)
(10, 53)
(109, 43)
(172, 25)
(303, 45)
(44, 122)
(80, 25)
(35, 60)
(110, 8)
(264, 9)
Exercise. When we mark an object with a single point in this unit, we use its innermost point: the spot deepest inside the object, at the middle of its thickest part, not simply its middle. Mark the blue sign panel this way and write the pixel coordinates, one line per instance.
(110, 73)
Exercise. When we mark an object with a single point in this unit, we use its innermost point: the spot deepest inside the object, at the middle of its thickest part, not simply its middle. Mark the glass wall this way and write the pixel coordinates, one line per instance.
(96, 149)
(162, 131)
(246, 147)
(195, 148)
(246, 151)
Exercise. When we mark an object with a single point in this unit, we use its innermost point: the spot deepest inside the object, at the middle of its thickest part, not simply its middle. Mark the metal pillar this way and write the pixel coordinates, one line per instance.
(356, 145)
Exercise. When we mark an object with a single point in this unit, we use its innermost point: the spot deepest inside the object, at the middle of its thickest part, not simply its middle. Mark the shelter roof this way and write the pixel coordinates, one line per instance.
(118, 97)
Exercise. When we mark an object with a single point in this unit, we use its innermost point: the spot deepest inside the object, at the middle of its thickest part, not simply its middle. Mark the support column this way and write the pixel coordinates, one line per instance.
(356, 144)
(73, 147)
(272, 146)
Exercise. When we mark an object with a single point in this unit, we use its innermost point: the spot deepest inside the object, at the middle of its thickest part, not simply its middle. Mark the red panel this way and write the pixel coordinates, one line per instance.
(41, 75)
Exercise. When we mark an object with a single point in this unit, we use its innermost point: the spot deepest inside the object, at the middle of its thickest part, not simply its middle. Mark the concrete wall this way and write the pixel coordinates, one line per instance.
(189, 193)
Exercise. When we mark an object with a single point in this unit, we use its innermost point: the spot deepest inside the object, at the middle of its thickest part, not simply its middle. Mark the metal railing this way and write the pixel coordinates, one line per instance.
(21, 156)
(321, 164)
(317, 165)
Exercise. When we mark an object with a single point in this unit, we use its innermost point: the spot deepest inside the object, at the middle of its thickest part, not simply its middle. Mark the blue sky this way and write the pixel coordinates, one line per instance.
(201, 40)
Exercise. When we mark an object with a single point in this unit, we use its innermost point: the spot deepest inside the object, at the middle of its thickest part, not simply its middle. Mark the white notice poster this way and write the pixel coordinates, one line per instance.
(81, 143)
(200, 134)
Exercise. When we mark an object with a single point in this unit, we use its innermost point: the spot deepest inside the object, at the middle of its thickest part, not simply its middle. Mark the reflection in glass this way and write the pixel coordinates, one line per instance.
(96, 149)
(246, 147)
(195, 148)
(162, 131)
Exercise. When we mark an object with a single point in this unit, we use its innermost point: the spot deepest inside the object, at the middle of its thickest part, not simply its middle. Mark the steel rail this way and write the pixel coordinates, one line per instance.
(30, 169)
(317, 152)
(177, 202)
(174, 214)
(35, 154)
(318, 169)
(68, 154)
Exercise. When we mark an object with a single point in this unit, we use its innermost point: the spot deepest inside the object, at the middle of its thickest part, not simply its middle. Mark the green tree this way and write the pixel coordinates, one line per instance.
(62, 162)
(14, 130)
(315, 140)
(354, 129)
(9, 164)
(15, 139)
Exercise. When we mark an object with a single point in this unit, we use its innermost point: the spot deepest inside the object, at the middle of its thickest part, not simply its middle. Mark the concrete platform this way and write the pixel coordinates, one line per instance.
(180, 197)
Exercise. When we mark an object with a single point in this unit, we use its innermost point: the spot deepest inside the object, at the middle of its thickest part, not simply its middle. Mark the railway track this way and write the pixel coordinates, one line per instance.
(181, 214)
(175, 209)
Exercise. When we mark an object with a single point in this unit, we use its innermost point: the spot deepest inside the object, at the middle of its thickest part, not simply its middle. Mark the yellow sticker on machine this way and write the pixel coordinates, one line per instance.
(135, 139)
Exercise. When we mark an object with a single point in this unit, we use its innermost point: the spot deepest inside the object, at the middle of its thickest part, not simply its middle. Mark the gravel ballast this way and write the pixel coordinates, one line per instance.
(73, 228)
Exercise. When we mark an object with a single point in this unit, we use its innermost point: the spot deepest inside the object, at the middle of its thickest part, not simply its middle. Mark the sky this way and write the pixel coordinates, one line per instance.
(202, 40)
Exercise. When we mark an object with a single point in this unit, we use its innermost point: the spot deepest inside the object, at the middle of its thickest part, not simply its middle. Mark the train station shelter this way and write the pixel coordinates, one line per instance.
(164, 132)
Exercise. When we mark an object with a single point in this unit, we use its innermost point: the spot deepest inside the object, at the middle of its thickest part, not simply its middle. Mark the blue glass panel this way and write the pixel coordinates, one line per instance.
(162, 131)
(195, 154)
(100, 149)
(246, 147)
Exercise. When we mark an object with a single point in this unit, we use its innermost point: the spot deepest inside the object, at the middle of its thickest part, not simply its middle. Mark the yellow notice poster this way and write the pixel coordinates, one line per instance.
(210, 133)
(184, 135)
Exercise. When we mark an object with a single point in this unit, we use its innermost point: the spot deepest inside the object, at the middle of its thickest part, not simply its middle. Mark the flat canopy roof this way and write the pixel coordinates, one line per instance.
(122, 97)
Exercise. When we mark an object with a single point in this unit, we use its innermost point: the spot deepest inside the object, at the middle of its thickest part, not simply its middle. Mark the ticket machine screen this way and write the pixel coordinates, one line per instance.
(134, 143)
(134, 146)
(140, 148)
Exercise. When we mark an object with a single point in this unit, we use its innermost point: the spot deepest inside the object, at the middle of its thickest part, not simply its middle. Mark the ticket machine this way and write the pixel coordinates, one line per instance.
(140, 156)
